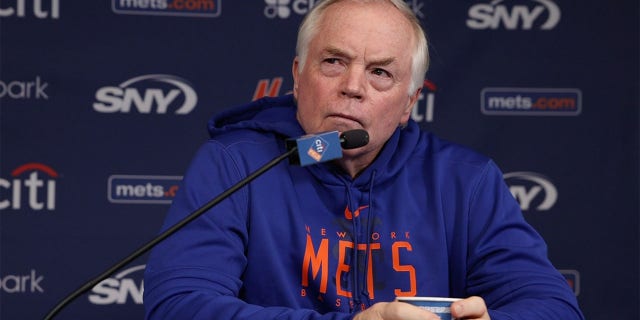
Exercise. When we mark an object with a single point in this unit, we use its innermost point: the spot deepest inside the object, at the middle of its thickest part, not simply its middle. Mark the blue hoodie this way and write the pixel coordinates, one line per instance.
(426, 218)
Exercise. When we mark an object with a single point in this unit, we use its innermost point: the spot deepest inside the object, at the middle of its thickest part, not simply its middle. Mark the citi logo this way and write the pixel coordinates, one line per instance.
(36, 6)
(118, 289)
(32, 184)
(423, 109)
(530, 188)
(157, 93)
(542, 14)
(143, 189)
(282, 8)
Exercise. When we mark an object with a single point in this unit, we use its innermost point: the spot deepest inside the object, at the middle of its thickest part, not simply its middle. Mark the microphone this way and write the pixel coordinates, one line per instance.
(354, 139)
(347, 140)
(322, 147)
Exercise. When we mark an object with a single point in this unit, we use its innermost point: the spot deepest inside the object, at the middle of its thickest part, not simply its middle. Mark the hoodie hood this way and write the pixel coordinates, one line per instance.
(277, 115)
(270, 114)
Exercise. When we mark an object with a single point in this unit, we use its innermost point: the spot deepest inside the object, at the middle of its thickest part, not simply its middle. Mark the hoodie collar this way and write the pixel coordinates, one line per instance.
(278, 115)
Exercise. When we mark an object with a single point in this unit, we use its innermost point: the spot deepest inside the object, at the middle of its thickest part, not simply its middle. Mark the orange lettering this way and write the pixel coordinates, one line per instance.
(321, 260)
(404, 268)
(264, 86)
(363, 247)
(342, 267)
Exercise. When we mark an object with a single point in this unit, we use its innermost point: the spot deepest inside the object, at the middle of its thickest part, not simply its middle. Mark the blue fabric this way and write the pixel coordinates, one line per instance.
(427, 218)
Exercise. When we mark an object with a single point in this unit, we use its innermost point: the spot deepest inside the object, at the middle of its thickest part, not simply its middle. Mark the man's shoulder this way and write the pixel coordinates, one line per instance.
(442, 150)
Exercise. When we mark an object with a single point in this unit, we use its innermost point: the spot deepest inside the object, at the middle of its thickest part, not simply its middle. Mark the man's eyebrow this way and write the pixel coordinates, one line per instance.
(383, 61)
(336, 52)
(341, 53)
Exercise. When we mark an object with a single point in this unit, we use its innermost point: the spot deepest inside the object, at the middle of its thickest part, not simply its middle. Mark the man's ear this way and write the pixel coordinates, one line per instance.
(295, 68)
(412, 102)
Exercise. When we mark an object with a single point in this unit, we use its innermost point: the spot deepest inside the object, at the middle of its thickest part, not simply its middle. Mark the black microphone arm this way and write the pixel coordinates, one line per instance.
(348, 140)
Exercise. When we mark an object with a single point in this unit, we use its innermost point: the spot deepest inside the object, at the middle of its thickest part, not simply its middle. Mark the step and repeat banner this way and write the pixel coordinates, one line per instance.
(103, 104)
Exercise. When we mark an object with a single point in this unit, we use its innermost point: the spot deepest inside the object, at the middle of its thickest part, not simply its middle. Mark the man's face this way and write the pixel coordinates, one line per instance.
(357, 74)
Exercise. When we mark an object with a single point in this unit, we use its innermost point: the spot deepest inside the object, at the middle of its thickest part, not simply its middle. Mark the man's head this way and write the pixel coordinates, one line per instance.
(420, 57)
(360, 65)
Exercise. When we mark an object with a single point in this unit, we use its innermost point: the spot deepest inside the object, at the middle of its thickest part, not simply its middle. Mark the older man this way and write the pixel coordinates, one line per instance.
(405, 215)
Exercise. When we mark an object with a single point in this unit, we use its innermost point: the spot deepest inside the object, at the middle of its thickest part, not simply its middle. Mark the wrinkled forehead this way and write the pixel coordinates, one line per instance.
(377, 29)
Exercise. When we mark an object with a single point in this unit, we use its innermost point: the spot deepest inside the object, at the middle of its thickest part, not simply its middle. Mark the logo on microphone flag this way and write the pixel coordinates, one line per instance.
(317, 148)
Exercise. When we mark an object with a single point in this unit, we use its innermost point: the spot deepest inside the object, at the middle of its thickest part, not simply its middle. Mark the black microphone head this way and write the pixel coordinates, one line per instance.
(354, 139)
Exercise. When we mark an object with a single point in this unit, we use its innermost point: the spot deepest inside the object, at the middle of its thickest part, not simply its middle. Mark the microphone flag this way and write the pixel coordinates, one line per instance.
(316, 148)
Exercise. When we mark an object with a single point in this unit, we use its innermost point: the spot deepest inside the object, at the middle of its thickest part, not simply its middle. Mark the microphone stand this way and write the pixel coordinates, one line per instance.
(168, 232)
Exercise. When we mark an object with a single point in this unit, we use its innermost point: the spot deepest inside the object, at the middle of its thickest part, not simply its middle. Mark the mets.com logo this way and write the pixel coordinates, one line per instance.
(194, 8)
(531, 101)
(142, 189)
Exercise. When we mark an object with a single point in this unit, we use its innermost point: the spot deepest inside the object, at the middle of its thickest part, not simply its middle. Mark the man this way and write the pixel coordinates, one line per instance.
(406, 215)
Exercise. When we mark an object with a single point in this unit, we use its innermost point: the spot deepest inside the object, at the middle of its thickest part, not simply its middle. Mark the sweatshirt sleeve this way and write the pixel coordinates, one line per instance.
(196, 272)
(507, 263)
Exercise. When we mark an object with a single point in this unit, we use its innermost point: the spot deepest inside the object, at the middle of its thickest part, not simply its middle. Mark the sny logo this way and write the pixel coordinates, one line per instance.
(42, 191)
(526, 186)
(119, 288)
(496, 14)
(146, 93)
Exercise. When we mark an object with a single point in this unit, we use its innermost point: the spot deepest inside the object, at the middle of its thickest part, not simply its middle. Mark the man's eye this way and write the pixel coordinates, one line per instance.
(331, 60)
(381, 72)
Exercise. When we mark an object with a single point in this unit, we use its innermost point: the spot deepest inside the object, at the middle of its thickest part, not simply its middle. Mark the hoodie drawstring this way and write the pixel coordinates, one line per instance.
(370, 221)
(357, 290)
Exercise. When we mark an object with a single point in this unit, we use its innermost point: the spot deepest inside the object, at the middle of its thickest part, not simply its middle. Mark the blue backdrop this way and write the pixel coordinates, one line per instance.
(103, 103)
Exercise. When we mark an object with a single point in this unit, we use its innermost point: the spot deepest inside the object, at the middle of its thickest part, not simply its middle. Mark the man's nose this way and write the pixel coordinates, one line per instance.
(354, 82)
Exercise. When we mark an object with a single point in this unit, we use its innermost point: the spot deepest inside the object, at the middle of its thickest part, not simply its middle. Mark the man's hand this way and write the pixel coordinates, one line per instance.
(472, 308)
(395, 311)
